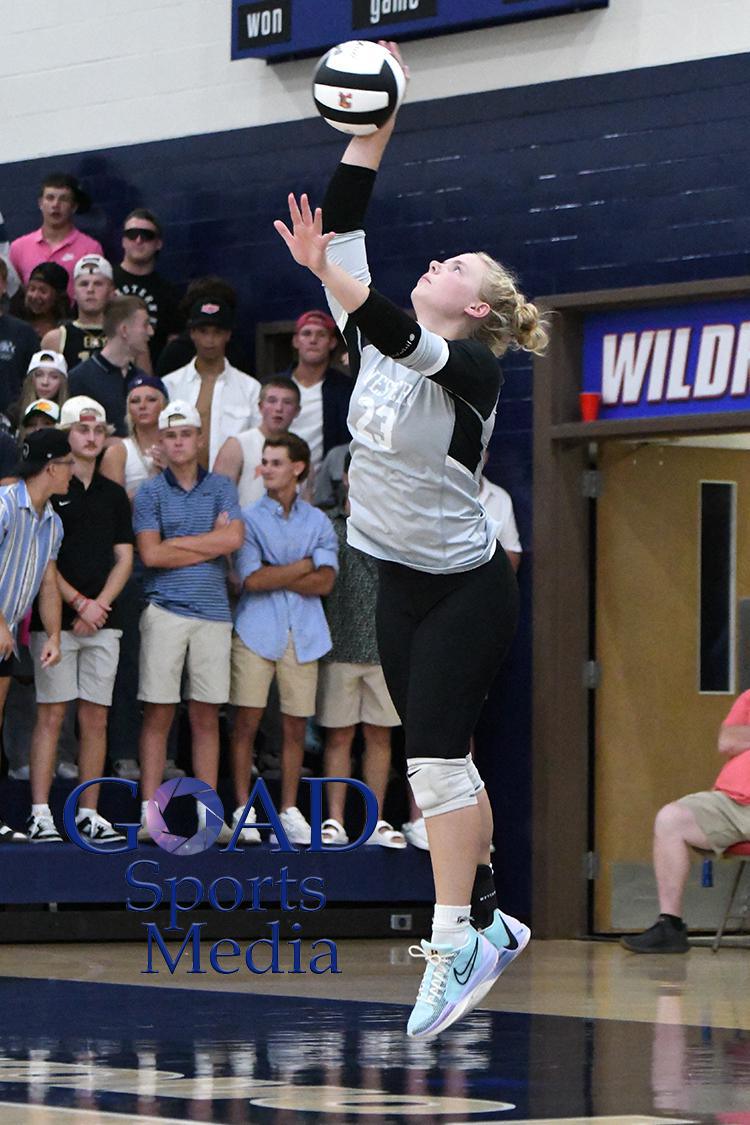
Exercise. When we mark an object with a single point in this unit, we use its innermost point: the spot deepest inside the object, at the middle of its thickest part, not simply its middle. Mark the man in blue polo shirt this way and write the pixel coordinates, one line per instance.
(186, 522)
(288, 560)
(30, 537)
(105, 375)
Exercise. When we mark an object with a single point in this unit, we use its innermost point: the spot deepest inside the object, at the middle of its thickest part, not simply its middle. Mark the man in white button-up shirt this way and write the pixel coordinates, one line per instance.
(225, 398)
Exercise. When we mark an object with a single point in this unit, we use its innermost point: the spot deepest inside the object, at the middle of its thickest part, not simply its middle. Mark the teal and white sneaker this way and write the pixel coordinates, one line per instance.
(452, 983)
(509, 937)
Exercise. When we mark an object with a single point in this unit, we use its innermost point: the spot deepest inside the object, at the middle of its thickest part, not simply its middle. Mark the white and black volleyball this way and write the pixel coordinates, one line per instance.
(357, 86)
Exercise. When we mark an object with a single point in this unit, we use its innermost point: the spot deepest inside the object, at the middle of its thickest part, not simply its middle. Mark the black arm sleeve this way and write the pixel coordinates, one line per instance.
(389, 328)
(465, 368)
(347, 197)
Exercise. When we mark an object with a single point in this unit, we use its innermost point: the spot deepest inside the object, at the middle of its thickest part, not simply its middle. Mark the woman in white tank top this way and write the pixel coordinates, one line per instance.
(136, 458)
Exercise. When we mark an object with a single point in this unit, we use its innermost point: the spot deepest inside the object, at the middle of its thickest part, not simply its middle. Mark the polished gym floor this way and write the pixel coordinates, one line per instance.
(574, 1032)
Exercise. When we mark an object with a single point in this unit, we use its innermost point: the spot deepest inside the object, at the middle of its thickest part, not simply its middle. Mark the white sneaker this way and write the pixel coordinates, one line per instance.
(68, 771)
(171, 771)
(248, 835)
(96, 828)
(42, 830)
(9, 835)
(416, 834)
(296, 827)
(20, 773)
(127, 768)
(454, 981)
(144, 835)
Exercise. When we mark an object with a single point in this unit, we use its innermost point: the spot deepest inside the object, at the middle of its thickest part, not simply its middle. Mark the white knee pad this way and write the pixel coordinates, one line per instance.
(475, 776)
(440, 785)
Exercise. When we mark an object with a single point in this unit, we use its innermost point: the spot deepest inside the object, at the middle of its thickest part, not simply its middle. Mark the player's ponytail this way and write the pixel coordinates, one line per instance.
(513, 322)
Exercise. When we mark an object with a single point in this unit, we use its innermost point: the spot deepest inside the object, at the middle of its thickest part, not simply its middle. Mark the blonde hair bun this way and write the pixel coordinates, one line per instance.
(513, 322)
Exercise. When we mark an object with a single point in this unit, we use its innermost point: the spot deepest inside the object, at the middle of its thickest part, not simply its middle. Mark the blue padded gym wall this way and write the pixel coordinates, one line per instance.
(617, 180)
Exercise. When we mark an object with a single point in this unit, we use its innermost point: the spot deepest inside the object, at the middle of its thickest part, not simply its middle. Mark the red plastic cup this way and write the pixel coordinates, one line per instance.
(589, 403)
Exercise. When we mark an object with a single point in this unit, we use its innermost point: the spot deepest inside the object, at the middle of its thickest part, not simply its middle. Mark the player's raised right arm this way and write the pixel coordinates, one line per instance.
(367, 151)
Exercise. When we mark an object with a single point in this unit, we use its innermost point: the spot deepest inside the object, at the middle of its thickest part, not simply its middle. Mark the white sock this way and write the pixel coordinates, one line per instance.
(450, 925)
(85, 812)
(201, 815)
(144, 806)
(40, 810)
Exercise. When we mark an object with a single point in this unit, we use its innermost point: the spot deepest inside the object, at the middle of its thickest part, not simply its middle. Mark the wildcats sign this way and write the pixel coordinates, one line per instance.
(691, 359)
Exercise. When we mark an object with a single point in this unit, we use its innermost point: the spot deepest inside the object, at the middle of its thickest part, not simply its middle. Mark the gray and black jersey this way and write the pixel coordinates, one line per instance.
(421, 415)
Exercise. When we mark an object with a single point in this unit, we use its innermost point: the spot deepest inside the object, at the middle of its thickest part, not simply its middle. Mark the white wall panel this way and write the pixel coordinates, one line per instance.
(87, 74)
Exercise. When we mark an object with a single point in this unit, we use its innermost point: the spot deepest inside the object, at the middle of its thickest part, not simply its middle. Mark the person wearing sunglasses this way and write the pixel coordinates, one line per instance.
(137, 276)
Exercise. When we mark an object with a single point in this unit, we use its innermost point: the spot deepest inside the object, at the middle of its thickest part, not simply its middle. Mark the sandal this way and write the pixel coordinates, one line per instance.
(332, 832)
(387, 836)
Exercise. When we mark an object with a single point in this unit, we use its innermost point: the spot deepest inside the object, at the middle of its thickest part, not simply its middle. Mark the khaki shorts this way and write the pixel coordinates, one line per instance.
(252, 676)
(86, 670)
(354, 693)
(169, 643)
(722, 820)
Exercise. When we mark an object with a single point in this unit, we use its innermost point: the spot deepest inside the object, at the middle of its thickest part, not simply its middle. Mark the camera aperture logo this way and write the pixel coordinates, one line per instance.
(177, 896)
(206, 799)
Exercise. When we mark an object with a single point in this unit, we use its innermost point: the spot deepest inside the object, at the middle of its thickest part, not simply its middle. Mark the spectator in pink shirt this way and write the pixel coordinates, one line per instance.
(57, 239)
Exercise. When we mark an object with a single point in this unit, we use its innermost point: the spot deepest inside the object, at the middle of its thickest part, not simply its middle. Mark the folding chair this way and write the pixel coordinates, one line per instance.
(741, 851)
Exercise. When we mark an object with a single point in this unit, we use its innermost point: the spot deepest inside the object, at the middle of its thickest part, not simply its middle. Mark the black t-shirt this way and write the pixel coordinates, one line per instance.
(18, 342)
(159, 297)
(80, 343)
(94, 519)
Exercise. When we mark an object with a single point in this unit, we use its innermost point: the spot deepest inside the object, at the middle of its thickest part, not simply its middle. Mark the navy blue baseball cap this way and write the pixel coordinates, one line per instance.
(144, 380)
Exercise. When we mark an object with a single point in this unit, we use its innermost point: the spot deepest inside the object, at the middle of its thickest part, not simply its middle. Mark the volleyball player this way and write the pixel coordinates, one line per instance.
(421, 415)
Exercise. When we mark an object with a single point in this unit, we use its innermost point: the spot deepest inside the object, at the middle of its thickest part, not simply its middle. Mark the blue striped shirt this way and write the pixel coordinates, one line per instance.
(265, 619)
(161, 504)
(27, 544)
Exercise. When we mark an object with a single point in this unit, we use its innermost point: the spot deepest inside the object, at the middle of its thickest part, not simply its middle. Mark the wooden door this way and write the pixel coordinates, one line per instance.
(655, 731)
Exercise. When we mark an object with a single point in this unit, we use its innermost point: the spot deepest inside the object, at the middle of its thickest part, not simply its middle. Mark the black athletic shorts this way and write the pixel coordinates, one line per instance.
(442, 638)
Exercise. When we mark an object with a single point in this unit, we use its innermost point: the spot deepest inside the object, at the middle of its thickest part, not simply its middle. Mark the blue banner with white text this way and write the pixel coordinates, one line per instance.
(278, 29)
(682, 359)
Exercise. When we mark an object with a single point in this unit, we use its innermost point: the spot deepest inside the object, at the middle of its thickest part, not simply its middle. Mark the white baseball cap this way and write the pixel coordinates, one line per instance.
(179, 413)
(54, 360)
(81, 408)
(43, 406)
(92, 263)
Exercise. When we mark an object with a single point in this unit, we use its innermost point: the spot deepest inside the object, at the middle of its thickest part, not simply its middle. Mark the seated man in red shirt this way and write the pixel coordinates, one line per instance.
(711, 821)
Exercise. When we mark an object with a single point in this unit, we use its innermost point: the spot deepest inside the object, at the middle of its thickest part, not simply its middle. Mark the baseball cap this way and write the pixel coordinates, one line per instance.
(144, 380)
(51, 274)
(316, 316)
(92, 263)
(179, 413)
(208, 311)
(54, 360)
(81, 408)
(64, 179)
(38, 449)
(43, 406)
